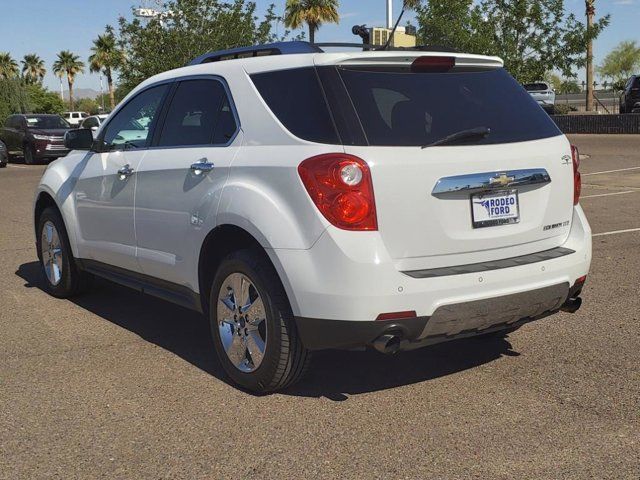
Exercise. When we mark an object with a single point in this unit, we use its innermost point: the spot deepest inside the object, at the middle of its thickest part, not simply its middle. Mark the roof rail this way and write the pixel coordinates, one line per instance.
(290, 48)
(279, 48)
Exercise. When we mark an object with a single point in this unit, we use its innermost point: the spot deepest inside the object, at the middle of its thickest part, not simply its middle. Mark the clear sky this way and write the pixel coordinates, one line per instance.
(47, 26)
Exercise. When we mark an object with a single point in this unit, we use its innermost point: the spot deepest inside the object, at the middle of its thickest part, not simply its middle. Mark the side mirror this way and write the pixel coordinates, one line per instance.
(78, 139)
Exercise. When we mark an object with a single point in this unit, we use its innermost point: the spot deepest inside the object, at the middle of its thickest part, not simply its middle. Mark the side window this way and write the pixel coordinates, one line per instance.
(90, 122)
(199, 114)
(129, 128)
(11, 122)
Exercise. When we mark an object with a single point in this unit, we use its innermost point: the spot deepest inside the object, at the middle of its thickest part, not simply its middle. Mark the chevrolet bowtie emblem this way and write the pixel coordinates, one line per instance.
(501, 179)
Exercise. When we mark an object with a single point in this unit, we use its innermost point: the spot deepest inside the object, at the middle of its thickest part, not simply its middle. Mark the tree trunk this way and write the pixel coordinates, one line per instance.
(70, 95)
(112, 96)
(590, 14)
(312, 33)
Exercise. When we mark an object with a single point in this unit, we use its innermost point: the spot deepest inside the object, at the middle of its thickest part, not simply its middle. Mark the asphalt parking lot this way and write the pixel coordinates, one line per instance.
(118, 385)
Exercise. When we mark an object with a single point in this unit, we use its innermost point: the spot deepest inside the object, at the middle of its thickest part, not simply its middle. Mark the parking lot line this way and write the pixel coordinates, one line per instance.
(608, 194)
(611, 171)
(16, 166)
(615, 232)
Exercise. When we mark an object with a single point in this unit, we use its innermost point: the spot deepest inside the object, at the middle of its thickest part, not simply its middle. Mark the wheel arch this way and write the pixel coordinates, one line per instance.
(220, 242)
(44, 199)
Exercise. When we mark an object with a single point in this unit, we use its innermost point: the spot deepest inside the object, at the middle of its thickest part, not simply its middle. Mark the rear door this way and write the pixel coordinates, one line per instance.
(483, 197)
(181, 177)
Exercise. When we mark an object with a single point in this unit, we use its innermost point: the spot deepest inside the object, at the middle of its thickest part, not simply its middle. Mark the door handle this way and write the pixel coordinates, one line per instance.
(202, 166)
(125, 172)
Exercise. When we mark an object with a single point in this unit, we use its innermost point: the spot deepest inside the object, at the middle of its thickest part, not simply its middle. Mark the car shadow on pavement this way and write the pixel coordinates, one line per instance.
(333, 374)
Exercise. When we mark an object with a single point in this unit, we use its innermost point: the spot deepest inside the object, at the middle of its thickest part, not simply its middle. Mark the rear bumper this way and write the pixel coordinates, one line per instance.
(348, 277)
(449, 322)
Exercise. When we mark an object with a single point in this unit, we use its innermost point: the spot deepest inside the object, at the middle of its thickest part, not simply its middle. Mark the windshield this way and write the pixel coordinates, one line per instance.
(407, 109)
(49, 122)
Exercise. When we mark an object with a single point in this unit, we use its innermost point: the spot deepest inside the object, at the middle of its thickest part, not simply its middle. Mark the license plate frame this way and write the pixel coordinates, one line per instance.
(506, 218)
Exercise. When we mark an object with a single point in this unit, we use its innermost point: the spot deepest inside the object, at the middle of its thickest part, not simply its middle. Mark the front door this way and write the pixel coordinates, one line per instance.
(181, 178)
(105, 189)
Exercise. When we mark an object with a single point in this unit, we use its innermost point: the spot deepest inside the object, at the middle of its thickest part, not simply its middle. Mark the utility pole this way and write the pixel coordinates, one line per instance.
(591, 11)
(389, 14)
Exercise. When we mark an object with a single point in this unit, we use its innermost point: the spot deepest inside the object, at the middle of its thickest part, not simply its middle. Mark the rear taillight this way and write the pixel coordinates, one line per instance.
(577, 180)
(340, 185)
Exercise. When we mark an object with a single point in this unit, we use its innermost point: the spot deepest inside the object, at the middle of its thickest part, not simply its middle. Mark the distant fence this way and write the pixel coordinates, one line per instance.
(598, 123)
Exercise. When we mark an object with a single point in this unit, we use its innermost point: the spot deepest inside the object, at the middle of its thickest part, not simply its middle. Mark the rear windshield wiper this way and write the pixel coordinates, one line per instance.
(480, 132)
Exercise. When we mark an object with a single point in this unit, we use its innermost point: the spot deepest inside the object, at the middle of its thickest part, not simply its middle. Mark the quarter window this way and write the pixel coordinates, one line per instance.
(296, 98)
(130, 127)
(200, 114)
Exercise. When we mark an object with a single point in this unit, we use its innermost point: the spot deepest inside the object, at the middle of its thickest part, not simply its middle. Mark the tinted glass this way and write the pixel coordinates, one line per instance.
(49, 122)
(408, 109)
(199, 114)
(129, 128)
(296, 98)
(90, 122)
(535, 87)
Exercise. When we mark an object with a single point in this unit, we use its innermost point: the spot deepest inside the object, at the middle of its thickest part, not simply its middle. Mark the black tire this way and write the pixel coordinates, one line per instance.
(72, 280)
(285, 358)
(29, 155)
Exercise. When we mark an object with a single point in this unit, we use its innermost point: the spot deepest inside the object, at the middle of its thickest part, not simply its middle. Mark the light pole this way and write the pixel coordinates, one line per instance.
(590, 11)
(101, 93)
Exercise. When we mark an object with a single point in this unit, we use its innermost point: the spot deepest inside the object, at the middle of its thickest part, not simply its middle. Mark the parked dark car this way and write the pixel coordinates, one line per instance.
(4, 155)
(35, 137)
(630, 98)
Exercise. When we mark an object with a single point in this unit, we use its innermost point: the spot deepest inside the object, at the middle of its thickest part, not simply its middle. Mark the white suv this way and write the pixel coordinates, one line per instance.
(305, 200)
(75, 118)
(543, 94)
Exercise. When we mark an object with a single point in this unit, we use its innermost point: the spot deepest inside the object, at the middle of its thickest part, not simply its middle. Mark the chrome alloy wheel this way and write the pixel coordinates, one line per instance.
(51, 250)
(242, 322)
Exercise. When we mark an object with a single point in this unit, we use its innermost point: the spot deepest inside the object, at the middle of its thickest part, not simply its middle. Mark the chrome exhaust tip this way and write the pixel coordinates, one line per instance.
(387, 344)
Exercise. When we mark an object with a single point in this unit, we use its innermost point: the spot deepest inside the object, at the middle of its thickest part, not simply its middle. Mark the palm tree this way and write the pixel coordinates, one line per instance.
(312, 12)
(70, 65)
(8, 66)
(106, 57)
(33, 68)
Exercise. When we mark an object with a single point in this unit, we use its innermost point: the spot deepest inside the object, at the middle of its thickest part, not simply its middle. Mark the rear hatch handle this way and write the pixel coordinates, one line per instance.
(481, 182)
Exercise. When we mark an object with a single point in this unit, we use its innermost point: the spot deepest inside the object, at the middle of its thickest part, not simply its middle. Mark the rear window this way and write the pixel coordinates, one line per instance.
(410, 109)
(296, 98)
(535, 87)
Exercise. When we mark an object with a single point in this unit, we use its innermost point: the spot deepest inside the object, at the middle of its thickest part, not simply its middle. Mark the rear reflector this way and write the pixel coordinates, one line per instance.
(577, 179)
(396, 315)
(433, 64)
